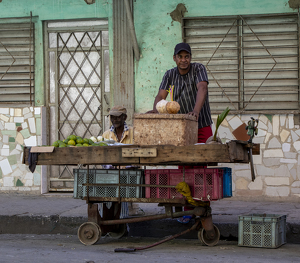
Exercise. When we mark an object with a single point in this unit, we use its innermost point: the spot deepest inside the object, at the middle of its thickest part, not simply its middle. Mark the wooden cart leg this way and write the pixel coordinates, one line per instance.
(93, 213)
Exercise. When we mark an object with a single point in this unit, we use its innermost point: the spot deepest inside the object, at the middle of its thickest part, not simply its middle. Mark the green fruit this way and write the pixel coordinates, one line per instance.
(62, 145)
(102, 144)
(72, 137)
(79, 141)
(79, 145)
(85, 144)
(85, 140)
(91, 141)
(71, 142)
(55, 144)
(66, 141)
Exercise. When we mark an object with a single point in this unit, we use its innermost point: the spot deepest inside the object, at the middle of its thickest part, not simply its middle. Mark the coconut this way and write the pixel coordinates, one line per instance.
(173, 107)
(161, 106)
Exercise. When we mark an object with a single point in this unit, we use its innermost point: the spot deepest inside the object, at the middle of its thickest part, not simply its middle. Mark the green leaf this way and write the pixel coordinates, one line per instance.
(220, 119)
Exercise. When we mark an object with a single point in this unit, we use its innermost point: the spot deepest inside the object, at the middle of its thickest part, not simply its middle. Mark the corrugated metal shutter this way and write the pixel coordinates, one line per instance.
(252, 61)
(16, 63)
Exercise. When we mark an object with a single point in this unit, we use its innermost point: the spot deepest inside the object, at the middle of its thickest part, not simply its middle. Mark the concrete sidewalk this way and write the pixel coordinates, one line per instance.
(60, 213)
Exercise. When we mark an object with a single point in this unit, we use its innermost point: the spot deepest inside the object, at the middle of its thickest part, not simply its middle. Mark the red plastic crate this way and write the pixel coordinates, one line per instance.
(205, 184)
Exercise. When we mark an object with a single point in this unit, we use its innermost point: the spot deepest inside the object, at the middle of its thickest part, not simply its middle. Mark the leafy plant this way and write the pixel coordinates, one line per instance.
(220, 118)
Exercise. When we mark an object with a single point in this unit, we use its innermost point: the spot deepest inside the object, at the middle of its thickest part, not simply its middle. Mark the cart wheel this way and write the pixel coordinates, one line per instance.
(200, 237)
(209, 242)
(120, 231)
(89, 233)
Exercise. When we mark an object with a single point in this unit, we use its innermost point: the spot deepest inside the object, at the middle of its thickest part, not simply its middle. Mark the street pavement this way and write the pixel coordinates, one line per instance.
(62, 214)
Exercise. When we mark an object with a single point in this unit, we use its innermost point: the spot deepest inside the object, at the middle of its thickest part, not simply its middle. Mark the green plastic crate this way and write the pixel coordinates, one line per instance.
(103, 176)
(262, 230)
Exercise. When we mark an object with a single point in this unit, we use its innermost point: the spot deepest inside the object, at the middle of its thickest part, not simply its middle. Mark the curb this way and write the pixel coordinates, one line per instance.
(56, 224)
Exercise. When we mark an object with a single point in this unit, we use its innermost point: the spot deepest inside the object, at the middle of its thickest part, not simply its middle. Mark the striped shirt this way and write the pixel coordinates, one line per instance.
(185, 91)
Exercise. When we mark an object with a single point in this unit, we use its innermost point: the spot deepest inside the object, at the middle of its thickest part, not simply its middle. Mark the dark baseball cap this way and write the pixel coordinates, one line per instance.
(182, 46)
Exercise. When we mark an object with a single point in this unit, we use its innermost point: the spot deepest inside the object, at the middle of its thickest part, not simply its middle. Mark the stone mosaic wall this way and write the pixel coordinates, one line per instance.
(277, 167)
(19, 127)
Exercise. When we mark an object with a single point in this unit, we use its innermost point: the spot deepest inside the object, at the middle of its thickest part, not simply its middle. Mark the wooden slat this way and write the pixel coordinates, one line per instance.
(139, 152)
(234, 151)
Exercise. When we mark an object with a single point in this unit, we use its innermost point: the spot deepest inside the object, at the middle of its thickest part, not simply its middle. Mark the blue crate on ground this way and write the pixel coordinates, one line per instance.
(227, 182)
(106, 176)
(262, 230)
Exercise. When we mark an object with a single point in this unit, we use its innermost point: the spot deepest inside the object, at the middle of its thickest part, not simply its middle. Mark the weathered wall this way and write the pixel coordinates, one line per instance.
(157, 34)
(22, 126)
(158, 30)
(277, 168)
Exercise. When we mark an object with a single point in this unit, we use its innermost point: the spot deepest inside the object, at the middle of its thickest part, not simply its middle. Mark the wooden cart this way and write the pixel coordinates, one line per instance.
(202, 154)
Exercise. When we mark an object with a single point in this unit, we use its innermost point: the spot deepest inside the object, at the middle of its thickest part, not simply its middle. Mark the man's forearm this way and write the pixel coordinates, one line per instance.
(201, 96)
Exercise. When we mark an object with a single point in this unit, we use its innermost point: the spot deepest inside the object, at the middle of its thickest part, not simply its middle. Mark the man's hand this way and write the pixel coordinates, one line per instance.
(194, 113)
(152, 111)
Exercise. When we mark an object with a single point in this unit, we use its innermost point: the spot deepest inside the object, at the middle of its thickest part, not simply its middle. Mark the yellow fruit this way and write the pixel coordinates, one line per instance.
(72, 137)
(71, 142)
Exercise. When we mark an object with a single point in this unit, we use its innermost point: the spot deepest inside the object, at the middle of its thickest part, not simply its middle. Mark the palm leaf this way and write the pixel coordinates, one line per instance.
(220, 119)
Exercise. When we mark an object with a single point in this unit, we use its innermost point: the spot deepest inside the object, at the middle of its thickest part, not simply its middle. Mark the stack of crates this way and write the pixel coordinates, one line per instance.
(262, 230)
(103, 176)
(205, 184)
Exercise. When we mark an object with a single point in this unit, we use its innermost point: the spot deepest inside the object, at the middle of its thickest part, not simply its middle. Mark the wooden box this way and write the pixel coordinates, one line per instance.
(165, 129)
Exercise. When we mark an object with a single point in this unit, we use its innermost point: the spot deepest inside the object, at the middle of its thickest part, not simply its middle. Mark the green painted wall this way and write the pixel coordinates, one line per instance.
(157, 35)
(43, 10)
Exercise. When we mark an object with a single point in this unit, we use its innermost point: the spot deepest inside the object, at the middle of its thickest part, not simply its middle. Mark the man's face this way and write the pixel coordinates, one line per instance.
(118, 121)
(183, 60)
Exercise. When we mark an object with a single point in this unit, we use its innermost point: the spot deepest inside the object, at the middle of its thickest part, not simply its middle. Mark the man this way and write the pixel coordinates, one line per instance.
(119, 131)
(190, 89)
(189, 81)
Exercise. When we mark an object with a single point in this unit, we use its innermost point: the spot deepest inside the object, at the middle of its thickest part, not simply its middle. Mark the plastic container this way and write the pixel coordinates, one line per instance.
(205, 184)
(102, 176)
(227, 182)
(262, 230)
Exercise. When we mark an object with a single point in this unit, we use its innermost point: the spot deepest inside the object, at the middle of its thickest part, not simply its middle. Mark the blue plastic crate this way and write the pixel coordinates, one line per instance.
(227, 182)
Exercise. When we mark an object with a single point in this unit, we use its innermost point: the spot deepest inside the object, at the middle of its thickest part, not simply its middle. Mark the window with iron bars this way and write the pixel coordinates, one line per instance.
(252, 61)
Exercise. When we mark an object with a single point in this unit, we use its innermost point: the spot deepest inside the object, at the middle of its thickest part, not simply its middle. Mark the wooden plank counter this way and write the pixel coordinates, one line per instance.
(231, 152)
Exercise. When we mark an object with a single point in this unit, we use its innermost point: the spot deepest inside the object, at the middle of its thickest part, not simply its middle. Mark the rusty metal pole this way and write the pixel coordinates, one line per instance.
(207, 224)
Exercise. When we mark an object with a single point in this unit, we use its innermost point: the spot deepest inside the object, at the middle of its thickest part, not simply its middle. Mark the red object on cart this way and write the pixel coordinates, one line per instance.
(205, 184)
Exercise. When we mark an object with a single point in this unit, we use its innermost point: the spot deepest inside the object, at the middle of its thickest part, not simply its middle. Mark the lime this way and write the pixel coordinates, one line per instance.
(85, 140)
(79, 145)
(55, 144)
(72, 137)
(66, 141)
(79, 140)
(91, 141)
(85, 144)
(62, 145)
(71, 142)
(102, 144)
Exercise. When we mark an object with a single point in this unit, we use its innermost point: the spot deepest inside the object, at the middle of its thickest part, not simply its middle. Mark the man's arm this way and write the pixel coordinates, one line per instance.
(162, 95)
(200, 99)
